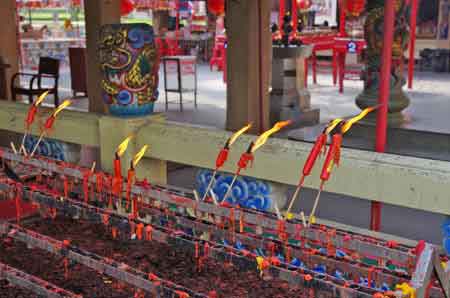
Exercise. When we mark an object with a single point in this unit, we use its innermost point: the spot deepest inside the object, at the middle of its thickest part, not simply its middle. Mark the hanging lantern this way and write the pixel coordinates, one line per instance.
(216, 7)
(126, 7)
(355, 7)
(76, 3)
(303, 4)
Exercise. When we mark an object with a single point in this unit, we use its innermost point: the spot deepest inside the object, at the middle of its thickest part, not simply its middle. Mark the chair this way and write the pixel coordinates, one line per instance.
(48, 70)
(218, 55)
(180, 65)
(162, 46)
(173, 49)
(77, 59)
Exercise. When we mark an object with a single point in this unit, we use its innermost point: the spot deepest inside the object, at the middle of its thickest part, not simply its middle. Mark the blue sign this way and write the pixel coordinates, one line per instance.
(352, 47)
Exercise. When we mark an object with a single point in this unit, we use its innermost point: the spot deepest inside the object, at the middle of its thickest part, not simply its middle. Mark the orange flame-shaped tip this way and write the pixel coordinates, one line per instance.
(139, 155)
(123, 146)
(332, 125)
(41, 98)
(348, 124)
(262, 139)
(61, 107)
(237, 134)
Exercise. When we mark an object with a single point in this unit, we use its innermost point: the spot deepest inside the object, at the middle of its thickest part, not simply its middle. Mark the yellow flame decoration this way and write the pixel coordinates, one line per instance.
(353, 120)
(123, 146)
(332, 125)
(262, 139)
(139, 155)
(61, 107)
(41, 98)
(234, 137)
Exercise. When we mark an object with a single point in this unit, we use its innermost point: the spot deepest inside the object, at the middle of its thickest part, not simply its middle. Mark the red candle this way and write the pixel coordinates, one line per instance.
(130, 180)
(117, 167)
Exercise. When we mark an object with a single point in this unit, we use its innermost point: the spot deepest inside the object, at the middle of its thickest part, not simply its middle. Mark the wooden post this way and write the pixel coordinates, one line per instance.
(9, 51)
(98, 13)
(248, 64)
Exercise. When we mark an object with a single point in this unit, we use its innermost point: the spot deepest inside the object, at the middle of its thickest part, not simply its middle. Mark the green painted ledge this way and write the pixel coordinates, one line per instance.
(404, 181)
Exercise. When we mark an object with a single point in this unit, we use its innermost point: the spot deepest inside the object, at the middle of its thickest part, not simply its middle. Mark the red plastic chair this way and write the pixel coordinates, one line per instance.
(173, 48)
(218, 55)
(162, 46)
(320, 44)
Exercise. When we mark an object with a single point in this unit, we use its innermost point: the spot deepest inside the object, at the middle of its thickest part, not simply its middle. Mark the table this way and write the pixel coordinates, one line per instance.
(180, 65)
(342, 46)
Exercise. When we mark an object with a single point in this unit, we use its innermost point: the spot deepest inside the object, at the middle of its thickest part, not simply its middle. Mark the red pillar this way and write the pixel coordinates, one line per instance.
(294, 14)
(342, 16)
(412, 44)
(281, 14)
(385, 75)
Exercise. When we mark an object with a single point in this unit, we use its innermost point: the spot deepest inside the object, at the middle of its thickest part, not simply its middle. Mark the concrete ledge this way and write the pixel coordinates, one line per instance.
(71, 126)
(404, 181)
(398, 180)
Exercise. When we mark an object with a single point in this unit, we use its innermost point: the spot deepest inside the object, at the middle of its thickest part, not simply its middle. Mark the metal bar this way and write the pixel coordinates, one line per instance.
(33, 283)
(268, 221)
(177, 239)
(424, 268)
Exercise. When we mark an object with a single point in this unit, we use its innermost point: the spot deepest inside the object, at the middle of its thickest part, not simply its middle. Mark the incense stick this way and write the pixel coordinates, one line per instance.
(13, 147)
(214, 197)
(294, 196)
(22, 145)
(230, 187)
(316, 202)
(37, 144)
(302, 214)
(196, 196)
(24, 150)
(277, 210)
(209, 185)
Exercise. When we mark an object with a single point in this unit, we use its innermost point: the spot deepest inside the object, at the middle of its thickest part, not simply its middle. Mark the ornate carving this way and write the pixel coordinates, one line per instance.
(373, 30)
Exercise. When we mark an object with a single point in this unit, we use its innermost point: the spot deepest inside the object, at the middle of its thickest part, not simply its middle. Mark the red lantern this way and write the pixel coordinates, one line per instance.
(216, 7)
(355, 7)
(76, 3)
(304, 4)
(126, 6)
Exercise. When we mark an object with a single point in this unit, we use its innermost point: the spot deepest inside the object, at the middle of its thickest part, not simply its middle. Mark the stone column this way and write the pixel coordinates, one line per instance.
(248, 64)
(9, 51)
(373, 28)
(97, 13)
(290, 100)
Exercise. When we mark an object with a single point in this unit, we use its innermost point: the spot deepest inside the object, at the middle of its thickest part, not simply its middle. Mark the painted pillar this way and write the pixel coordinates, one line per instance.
(97, 13)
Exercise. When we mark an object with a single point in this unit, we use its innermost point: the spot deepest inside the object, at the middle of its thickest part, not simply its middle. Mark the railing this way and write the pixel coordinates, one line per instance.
(404, 181)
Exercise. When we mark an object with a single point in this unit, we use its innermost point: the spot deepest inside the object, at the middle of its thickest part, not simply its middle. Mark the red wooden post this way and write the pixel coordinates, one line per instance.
(342, 16)
(294, 14)
(412, 44)
(177, 19)
(385, 76)
(281, 14)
